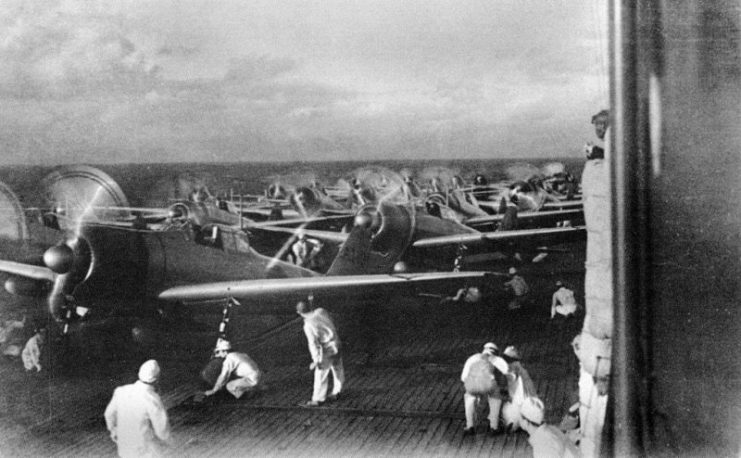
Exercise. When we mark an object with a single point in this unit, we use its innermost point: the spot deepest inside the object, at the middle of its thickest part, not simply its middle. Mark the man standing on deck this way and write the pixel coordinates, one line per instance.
(520, 387)
(563, 301)
(136, 417)
(518, 287)
(306, 250)
(31, 354)
(324, 346)
(483, 377)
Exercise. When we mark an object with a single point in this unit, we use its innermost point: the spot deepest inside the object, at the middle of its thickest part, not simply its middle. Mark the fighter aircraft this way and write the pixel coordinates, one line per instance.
(80, 260)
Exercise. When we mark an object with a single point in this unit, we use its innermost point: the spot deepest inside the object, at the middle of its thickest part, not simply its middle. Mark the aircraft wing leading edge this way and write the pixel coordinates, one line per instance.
(27, 270)
(533, 237)
(351, 285)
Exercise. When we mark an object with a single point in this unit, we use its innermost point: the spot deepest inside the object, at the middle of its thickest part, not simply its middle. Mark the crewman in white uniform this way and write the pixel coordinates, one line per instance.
(520, 387)
(136, 418)
(325, 348)
(31, 354)
(483, 378)
(563, 301)
(239, 373)
(518, 287)
(305, 250)
(546, 440)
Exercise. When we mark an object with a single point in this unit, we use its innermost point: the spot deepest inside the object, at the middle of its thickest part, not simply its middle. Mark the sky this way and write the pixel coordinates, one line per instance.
(298, 80)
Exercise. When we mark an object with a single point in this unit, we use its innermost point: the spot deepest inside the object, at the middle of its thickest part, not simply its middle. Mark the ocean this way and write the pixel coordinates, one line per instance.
(156, 184)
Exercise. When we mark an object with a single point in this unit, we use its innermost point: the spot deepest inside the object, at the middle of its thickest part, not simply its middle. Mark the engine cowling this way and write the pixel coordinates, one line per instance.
(392, 227)
(305, 201)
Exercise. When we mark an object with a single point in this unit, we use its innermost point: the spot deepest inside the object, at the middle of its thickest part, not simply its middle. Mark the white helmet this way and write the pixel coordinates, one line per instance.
(491, 347)
(223, 345)
(149, 372)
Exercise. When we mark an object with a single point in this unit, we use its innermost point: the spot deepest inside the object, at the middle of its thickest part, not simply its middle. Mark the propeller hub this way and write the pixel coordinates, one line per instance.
(59, 258)
(363, 220)
(401, 267)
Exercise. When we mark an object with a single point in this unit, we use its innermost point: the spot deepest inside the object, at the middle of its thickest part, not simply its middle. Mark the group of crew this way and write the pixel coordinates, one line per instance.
(504, 383)
(137, 419)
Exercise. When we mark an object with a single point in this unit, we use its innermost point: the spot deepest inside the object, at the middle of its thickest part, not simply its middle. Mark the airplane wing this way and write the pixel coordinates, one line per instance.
(563, 204)
(294, 222)
(539, 218)
(27, 270)
(531, 237)
(325, 236)
(264, 212)
(350, 285)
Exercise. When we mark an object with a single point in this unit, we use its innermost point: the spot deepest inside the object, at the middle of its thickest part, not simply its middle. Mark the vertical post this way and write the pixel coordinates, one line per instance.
(625, 421)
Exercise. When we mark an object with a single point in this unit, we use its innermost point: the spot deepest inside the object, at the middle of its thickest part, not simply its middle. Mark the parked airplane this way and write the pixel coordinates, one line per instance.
(82, 261)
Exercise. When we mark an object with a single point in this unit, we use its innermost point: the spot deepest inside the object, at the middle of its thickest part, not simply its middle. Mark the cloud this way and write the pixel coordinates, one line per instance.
(57, 49)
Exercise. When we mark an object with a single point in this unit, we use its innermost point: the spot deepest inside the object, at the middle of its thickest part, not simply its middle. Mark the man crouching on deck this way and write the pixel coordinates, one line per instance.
(239, 373)
(324, 346)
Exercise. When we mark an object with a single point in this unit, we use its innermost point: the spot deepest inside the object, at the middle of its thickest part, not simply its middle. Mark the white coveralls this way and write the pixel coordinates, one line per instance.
(480, 380)
(549, 442)
(563, 302)
(239, 373)
(520, 386)
(324, 346)
(32, 354)
(304, 251)
(519, 288)
(135, 417)
(11, 338)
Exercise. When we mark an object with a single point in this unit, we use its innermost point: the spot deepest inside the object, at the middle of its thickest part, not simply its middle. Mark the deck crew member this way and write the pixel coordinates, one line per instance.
(305, 250)
(11, 337)
(324, 346)
(483, 378)
(468, 294)
(31, 354)
(563, 301)
(136, 417)
(518, 288)
(239, 373)
(546, 440)
(520, 387)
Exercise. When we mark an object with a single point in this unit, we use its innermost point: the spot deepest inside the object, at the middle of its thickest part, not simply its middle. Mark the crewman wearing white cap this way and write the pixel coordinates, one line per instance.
(239, 373)
(324, 346)
(546, 440)
(483, 377)
(305, 250)
(136, 417)
(563, 301)
(518, 288)
(520, 387)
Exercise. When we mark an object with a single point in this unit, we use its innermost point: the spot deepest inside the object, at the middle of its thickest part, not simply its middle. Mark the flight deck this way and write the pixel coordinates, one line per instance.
(402, 397)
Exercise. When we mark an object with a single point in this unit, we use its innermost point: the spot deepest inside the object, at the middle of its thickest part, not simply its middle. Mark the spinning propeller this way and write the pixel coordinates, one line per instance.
(79, 195)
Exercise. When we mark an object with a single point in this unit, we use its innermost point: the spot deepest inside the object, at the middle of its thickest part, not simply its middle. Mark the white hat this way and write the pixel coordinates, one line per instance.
(512, 271)
(511, 352)
(491, 347)
(473, 295)
(533, 410)
(223, 345)
(149, 372)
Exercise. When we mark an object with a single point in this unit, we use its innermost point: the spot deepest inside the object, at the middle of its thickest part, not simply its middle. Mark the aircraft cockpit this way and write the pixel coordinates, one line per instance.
(222, 238)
